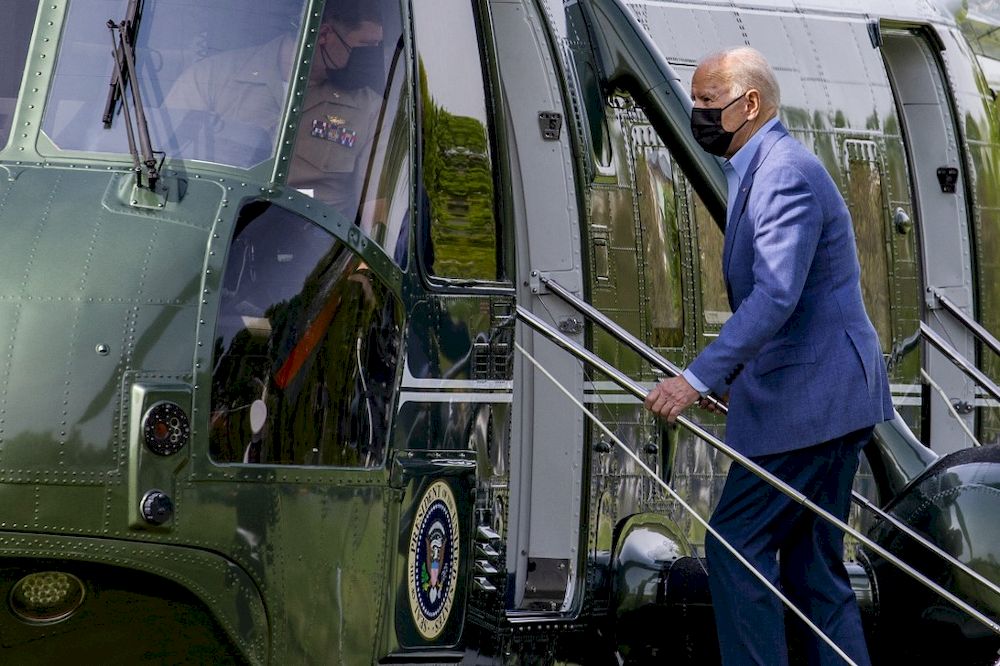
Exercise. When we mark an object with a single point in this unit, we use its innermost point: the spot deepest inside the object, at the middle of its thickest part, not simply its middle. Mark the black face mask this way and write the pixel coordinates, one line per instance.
(706, 125)
(365, 67)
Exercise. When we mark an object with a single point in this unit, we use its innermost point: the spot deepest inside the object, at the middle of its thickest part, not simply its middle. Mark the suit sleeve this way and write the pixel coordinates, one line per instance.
(788, 219)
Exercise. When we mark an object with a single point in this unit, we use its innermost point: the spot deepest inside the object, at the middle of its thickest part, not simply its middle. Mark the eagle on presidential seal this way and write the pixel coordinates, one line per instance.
(431, 575)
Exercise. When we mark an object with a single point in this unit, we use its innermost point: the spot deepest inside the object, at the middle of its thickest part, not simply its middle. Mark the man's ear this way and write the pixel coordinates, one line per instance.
(324, 33)
(753, 104)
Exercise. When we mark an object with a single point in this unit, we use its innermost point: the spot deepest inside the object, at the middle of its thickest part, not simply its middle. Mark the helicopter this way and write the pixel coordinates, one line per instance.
(325, 326)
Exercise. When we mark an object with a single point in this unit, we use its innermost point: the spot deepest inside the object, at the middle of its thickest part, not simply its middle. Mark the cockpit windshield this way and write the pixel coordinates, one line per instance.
(213, 74)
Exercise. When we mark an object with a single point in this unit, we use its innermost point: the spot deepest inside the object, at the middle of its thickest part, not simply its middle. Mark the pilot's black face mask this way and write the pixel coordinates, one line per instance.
(706, 125)
(364, 67)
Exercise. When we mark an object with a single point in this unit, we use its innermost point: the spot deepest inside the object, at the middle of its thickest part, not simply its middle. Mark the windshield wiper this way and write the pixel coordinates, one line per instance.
(132, 15)
(124, 77)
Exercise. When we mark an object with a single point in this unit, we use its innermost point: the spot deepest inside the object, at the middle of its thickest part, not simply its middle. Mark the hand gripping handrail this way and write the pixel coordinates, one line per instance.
(640, 392)
(658, 361)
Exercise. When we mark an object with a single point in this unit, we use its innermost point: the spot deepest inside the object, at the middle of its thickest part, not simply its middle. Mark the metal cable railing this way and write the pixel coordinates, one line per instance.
(704, 523)
(951, 408)
(640, 392)
(974, 326)
(658, 361)
(962, 363)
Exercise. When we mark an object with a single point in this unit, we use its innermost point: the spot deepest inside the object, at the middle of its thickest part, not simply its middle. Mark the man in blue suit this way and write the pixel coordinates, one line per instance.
(799, 363)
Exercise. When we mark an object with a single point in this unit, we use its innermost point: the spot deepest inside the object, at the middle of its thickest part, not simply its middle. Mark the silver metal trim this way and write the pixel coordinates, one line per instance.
(974, 326)
(628, 384)
(962, 363)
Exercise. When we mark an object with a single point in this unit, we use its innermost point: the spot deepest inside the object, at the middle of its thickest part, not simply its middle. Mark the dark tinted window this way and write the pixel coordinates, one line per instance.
(661, 240)
(15, 33)
(306, 348)
(710, 244)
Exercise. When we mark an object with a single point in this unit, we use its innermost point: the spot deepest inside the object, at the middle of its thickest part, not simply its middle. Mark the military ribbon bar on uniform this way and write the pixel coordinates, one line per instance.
(328, 130)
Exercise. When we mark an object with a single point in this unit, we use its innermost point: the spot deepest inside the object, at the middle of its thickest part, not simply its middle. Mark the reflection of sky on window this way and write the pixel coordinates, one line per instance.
(451, 58)
(987, 9)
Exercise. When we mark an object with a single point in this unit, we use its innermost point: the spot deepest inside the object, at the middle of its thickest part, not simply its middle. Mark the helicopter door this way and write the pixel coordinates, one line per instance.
(931, 137)
(304, 381)
(548, 464)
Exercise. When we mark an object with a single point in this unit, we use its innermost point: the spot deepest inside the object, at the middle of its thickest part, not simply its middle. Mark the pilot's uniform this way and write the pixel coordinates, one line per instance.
(240, 95)
(333, 144)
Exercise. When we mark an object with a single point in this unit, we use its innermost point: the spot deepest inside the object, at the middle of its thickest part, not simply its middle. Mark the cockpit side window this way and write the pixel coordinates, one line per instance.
(15, 34)
(306, 348)
(353, 143)
(214, 77)
(458, 187)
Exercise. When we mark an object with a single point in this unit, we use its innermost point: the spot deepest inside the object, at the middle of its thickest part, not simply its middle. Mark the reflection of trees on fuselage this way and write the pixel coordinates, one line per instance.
(311, 364)
(979, 21)
(458, 179)
(314, 370)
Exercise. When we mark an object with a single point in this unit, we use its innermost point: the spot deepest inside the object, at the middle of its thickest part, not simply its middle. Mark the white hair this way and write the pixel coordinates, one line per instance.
(747, 68)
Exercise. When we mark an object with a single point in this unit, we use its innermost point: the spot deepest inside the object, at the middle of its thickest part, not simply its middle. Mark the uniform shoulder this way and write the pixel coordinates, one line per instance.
(254, 61)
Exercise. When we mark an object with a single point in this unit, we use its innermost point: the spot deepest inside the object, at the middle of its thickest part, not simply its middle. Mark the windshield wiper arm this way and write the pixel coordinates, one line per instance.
(132, 15)
(124, 76)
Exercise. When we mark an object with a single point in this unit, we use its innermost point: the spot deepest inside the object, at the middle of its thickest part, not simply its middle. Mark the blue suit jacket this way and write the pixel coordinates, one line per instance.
(799, 358)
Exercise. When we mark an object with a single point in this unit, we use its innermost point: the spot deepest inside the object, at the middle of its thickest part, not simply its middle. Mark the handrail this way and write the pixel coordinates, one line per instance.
(687, 507)
(951, 407)
(634, 343)
(974, 326)
(962, 363)
(664, 364)
(640, 392)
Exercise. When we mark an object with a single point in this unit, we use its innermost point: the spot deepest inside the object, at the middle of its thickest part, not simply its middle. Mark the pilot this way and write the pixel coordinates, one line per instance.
(801, 364)
(230, 104)
(341, 106)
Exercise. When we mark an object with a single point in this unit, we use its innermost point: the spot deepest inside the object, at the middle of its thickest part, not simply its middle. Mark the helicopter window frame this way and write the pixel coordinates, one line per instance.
(500, 181)
(297, 339)
(351, 146)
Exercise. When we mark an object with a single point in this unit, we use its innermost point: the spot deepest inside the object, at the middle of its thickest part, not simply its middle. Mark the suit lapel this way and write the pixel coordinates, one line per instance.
(735, 216)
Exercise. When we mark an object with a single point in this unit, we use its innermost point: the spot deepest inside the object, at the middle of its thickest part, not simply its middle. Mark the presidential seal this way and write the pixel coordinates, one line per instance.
(432, 565)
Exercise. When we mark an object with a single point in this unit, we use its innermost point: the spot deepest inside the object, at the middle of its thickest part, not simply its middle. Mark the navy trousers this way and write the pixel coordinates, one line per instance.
(796, 550)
